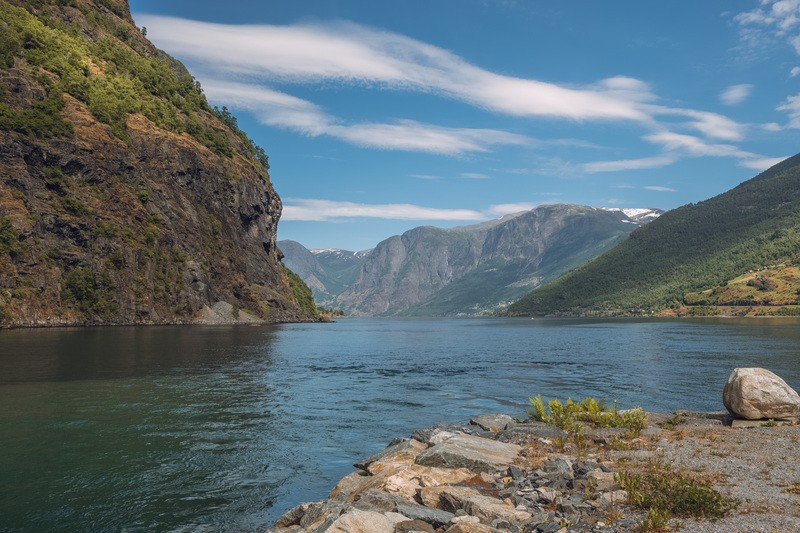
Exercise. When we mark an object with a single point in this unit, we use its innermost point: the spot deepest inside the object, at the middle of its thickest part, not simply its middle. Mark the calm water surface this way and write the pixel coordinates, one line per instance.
(224, 428)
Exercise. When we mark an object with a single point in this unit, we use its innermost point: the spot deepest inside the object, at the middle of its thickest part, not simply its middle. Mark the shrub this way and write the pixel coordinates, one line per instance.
(9, 238)
(665, 493)
(90, 292)
(568, 415)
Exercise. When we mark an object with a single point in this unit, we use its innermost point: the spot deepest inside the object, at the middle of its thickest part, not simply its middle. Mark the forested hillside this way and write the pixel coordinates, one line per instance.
(690, 249)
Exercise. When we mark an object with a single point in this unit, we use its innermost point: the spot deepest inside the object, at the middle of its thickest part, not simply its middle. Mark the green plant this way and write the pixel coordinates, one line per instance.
(90, 292)
(568, 415)
(72, 205)
(9, 238)
(301, 292)
(654, 520)
(664, 492)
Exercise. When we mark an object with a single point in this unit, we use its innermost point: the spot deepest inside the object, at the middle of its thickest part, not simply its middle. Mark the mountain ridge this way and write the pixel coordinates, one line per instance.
(472, 269)
(689, 249)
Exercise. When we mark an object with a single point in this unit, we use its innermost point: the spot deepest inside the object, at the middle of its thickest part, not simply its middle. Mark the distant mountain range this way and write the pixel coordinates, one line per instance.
(466, 270)
(735, 249)
(328, 272)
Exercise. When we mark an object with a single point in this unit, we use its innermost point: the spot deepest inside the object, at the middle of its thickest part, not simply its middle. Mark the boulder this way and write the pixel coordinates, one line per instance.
(493, 423)
(413, 526)
(757, 393)
(425, 434)
(358, 521)
(405, 450)
(474, 453)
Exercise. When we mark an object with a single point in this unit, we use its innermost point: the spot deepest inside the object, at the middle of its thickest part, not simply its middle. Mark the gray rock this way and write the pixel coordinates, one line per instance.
(756, 393)
(435, 517)
(425, 434)
(413, 526)
(529, 432)
(561, 467)
(492, 422)
(474, 453)
(404, 444)
(293, 516)
(379, 501)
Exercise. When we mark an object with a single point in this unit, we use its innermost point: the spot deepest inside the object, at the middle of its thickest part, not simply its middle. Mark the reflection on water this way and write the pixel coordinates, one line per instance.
(223, 428)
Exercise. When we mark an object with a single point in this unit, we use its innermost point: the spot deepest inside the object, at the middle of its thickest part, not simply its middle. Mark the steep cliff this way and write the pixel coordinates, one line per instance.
(482, 268)
(125, 198)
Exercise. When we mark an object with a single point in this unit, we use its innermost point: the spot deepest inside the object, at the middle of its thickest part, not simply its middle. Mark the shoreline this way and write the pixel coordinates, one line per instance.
(496, 474)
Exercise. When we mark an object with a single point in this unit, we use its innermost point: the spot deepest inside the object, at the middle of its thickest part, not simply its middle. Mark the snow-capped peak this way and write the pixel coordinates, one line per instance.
(637, 214)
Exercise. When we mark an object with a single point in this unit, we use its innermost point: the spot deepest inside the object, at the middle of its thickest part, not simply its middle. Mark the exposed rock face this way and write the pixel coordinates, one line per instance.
(757, 393)
(131, 222)
(470, 270)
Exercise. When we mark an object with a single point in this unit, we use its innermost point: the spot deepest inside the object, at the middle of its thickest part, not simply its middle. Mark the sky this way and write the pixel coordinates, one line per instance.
(382, 116)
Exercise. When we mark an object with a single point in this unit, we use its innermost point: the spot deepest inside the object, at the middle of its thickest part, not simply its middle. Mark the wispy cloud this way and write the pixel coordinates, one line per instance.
(794, 72)
(309, 209)
(351, 53)
(427, 177)
(659, 188)
(630, 164)
(778, 18)
(286, 111)
(475, 176)
(792, 107)
(240, 65)
(316, 210)
(499, 210)
(736, 94)
(693, 146)
(761, 164)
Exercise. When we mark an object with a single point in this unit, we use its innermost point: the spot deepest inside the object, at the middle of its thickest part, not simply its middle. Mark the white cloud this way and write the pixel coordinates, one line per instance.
(658, 188)
(792, 107)
(475, 176)
(499, 210)
(271, 107)
(630, 164)
(762, 163)
(771, 126)
(237, 62)
(794, 72)
(693, 146)
(280, 109)
(428, 177)
(348, 52)
(772, 19)
(412, 136)
(308, 209)
(736, 94)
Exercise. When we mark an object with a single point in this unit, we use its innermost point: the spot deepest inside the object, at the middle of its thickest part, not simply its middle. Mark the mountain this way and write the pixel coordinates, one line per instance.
(691, 249)
(327, 272)
(477, 269)
(125, 198)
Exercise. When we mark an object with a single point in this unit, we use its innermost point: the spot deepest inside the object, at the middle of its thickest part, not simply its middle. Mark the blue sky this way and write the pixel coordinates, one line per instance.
(382, 116)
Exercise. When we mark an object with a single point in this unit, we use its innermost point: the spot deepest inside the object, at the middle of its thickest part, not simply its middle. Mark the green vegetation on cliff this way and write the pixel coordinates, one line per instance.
(302, 293)
(124, 196)
(115, 73)
(690, 249)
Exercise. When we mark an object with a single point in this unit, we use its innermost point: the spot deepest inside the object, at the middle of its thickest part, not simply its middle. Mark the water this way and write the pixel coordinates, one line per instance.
(224, 428)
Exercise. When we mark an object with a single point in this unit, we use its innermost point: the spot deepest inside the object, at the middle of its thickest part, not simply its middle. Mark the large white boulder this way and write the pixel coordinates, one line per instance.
(757, 393)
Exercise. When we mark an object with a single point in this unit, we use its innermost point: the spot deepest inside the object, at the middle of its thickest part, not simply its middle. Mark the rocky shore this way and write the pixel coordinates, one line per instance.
(498, 474)
(582, 468)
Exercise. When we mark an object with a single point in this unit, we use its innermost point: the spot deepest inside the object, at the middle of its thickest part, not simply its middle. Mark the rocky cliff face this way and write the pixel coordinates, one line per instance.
(124, 197)
(476, 269)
